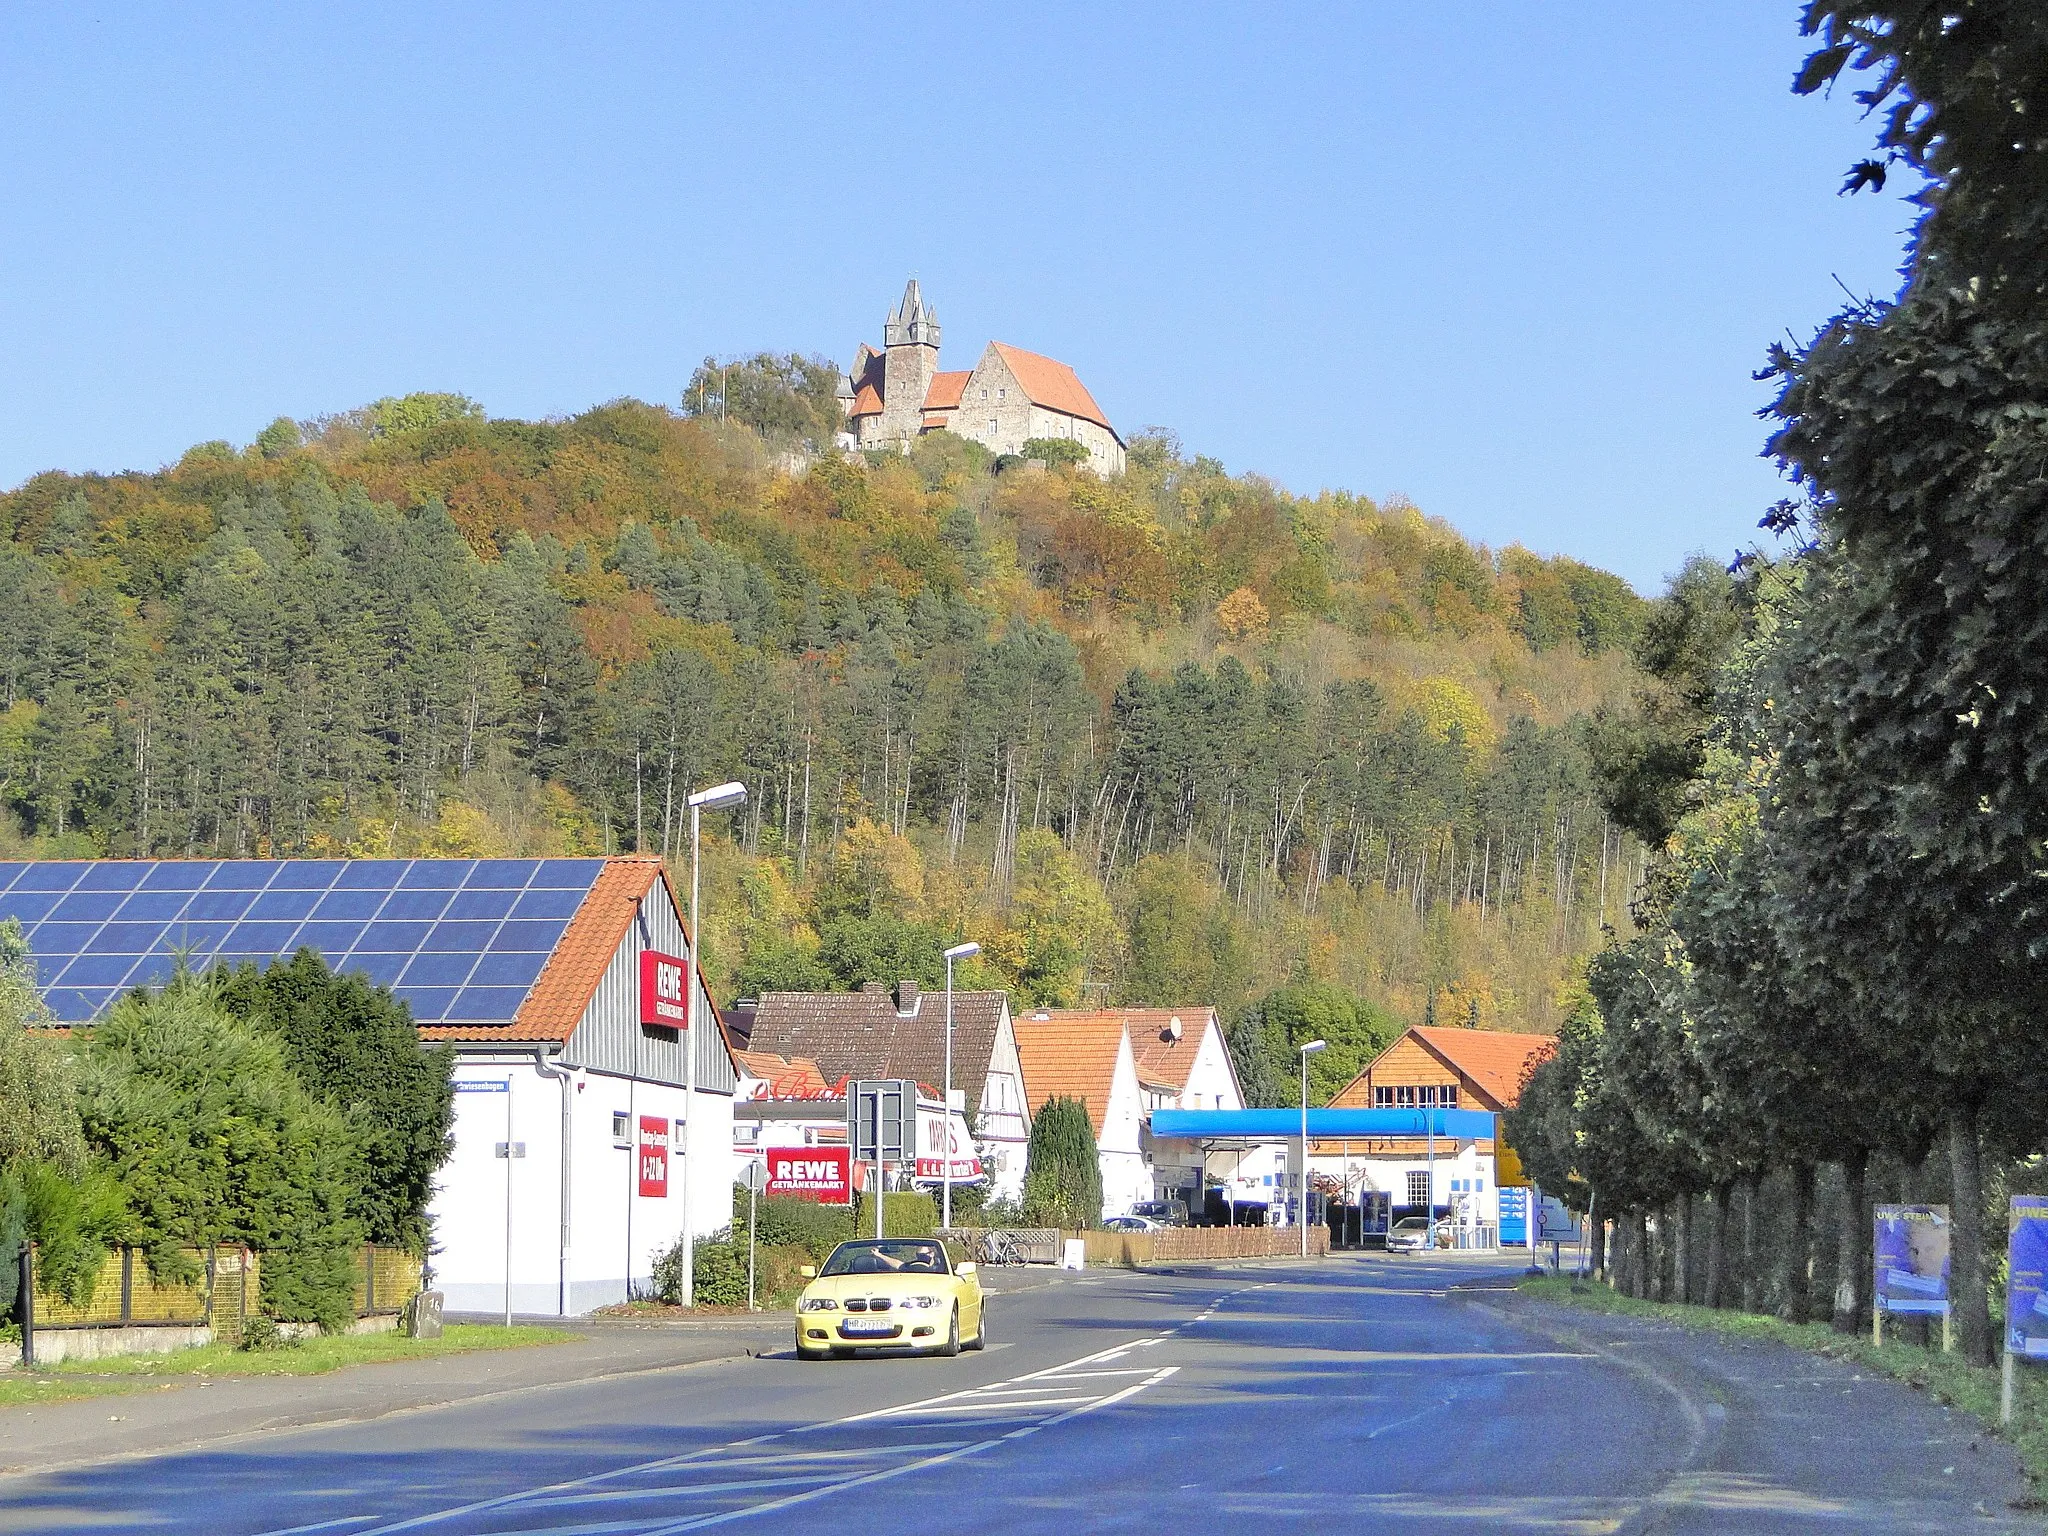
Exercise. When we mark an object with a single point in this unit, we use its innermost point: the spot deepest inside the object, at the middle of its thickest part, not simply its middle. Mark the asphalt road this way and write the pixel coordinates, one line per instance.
(1355, 1395)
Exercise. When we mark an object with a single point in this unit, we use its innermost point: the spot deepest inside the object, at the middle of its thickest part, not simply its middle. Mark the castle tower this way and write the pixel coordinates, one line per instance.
(910, 350)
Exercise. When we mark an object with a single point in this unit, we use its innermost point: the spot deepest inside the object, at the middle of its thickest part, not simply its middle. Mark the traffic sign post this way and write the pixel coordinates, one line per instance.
(881, 1127)
(757, 1180)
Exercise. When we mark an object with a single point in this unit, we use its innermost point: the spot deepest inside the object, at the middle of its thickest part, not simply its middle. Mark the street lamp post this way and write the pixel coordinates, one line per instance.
(1307, 1050)
(957, 952)
(719, 797)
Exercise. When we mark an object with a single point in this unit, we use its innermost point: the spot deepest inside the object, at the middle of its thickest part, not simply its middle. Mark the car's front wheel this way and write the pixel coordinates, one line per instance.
(952, 1345)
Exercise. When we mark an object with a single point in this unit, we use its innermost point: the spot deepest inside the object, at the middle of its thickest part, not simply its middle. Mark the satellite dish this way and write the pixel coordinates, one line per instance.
(1173, 1027)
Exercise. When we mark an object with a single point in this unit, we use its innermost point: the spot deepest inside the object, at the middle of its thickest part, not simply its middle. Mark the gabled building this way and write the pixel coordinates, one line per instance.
(1436, 1068)
(1005, 400)
(1182, 1062)
(1088, 1056)
(558, 984)
(879, 1033)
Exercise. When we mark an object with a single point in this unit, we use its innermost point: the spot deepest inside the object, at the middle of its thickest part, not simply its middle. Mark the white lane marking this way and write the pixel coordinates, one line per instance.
(726, 1517)
(690, 1458)
(323, 1525)
(994, 1406)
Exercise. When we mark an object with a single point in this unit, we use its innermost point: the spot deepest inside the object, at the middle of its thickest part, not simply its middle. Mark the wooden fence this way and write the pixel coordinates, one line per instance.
(226, 1289)
(1172, 1245)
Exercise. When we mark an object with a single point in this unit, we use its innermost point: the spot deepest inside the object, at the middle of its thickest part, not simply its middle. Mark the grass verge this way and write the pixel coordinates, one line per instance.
(28, 1388)
(311, 1357)
(1972, 1389)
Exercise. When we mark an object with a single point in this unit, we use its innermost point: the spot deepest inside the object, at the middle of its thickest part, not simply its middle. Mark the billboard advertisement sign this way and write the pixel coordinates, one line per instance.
(662, 998)
(2026, 1302)
(653, 1157)
(823, 1174)
(942, 1141)
(1910, 1249)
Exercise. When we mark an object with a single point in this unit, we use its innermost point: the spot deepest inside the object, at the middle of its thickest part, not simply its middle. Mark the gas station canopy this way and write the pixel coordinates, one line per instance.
(1323, 1124)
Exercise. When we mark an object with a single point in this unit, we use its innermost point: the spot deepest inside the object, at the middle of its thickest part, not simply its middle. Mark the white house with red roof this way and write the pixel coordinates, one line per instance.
(1007, 399)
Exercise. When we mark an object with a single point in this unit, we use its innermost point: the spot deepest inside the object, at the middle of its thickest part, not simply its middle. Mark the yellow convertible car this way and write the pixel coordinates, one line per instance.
(889, 1293)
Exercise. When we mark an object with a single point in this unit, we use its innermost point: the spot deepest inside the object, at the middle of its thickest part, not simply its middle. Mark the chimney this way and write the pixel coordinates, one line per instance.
(906, 999)
(871, 988)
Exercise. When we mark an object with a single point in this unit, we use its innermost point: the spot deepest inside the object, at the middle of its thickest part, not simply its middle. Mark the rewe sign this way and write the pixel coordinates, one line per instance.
(662, 999)
(824, 1174)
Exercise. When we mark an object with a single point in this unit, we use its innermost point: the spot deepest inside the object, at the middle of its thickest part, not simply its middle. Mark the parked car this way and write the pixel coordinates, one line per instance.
(1167, 1213)
(1412, 1234)
(1132, 1223)
(889, 1293)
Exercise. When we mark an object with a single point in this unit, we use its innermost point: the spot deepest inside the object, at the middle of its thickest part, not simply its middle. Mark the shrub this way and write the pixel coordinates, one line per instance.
(1062, 1173)
(354, 1045)
(718, 1271)
(787, 1222)
(215, 1141)
(904, 1214)
(1054, 451)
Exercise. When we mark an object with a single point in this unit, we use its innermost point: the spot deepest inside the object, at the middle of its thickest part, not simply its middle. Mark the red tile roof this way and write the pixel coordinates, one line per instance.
(1070, 1058)
(1053, 385)
(946, 390)
(867, 403)
(862, 1034)
(787, 1077)
(1161, 1059)
(1493, 1058)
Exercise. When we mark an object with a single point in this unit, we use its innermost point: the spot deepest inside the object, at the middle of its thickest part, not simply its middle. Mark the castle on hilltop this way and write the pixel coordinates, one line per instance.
(1011, 396)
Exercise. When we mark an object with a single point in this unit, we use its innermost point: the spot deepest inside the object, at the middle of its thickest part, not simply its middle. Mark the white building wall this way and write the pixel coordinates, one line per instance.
(613, 1229)
(1126, 1175)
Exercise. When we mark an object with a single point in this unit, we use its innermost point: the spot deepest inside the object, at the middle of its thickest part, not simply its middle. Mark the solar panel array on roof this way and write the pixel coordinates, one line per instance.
(461, 940)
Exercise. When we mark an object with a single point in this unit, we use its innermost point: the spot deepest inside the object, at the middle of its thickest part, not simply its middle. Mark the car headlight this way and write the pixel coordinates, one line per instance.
(920, 1302)
(817, 1304)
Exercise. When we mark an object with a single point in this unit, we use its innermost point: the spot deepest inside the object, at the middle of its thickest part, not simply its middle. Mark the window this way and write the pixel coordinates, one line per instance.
(1002, 395)
(1382, 1097)
(991, 426)
(622, 1128)
(1404, 1096)
(984, 394)
(1418, 1188)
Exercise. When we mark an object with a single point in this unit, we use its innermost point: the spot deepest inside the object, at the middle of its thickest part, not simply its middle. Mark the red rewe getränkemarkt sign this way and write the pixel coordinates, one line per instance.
(662, 998)
(653, 1157)
(823, 1174)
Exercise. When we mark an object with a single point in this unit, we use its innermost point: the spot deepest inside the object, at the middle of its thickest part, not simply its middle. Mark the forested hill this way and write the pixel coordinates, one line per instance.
(1180, 736)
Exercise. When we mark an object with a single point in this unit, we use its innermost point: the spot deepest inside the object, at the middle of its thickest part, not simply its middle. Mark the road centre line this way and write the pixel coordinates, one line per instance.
(726, 1517)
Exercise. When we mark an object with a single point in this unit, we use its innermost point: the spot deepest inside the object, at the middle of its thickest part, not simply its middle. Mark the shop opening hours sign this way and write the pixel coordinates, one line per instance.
(662, 999)
(653, 1157)
(824, 1174)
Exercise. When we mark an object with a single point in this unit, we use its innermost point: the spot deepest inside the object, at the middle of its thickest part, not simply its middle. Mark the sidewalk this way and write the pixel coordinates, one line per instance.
(182, 1413)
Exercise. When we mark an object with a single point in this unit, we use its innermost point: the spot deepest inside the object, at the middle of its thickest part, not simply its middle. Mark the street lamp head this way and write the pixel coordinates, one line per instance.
(1313, 1046)
(963, 951)
(719, 797)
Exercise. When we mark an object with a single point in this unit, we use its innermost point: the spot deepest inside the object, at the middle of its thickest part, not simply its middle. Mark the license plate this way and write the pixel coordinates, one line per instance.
(855, 1325)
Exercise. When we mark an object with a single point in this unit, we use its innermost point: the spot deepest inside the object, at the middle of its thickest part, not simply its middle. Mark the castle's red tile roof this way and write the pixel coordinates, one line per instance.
(946, 390)
(867, 403)
(1070, 1058)
(1053, 385)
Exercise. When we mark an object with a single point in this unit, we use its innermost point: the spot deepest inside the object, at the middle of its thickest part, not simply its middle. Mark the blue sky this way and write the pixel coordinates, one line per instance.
(1515, 263)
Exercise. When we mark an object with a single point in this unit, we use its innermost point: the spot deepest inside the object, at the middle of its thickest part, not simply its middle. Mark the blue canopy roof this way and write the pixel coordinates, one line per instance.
(1323, 1124)
(461, 940)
